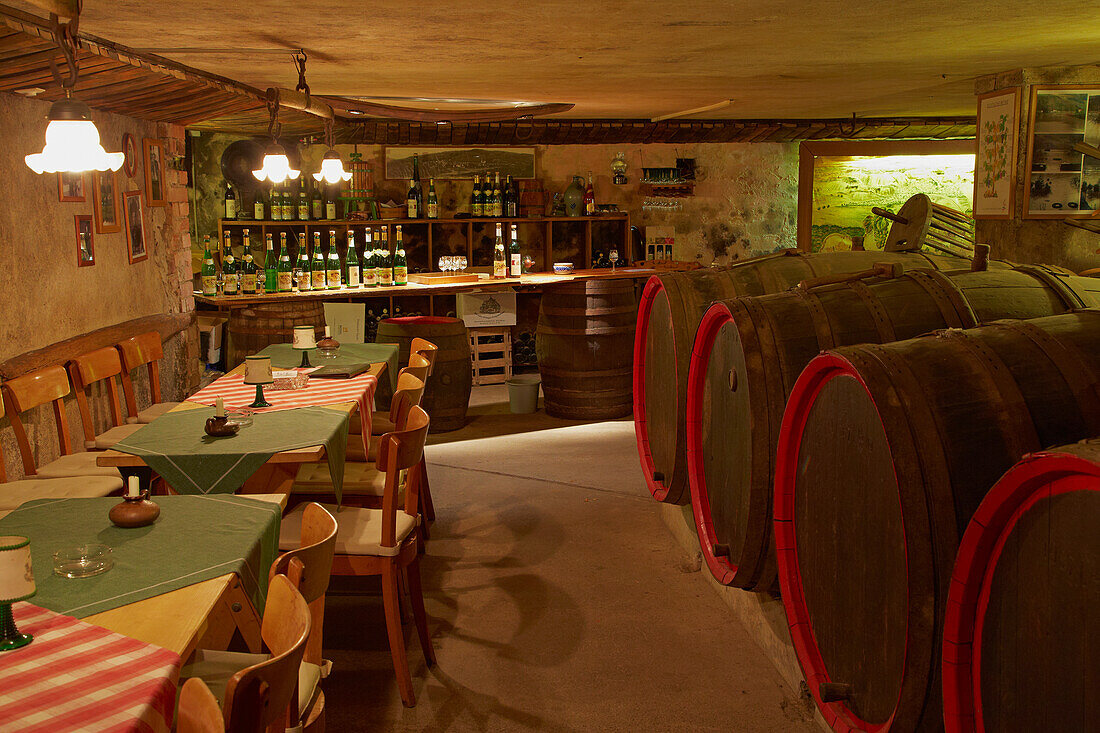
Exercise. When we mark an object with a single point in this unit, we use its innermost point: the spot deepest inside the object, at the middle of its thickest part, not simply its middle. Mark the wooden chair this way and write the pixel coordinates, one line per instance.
(425, 348)
(384, 541)
(101, 365)
(410, 390)
(50, 384)
(419, 366)
(256, 690)
(144, 349)
(15, 493)
(309, 568)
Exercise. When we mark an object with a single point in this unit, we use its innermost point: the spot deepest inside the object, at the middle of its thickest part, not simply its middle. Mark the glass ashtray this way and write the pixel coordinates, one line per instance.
(324, 352)
(240, 416)
(83, 561)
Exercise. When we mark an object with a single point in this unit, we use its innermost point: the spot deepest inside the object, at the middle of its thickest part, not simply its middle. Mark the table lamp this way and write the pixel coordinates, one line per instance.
(257, 371)
(305, 338)
(16, 584)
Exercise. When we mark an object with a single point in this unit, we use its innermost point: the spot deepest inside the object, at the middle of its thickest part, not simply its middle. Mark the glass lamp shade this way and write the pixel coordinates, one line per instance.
(276, 166)
(16, 578)
(72, 142)
(257, 370)
(332, 169)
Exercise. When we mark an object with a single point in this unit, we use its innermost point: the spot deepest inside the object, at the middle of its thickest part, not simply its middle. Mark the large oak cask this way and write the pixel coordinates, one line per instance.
(884, 454)
(668, 315)
(447, 394)
(256, 326)
(1023, 610)
(749, 351)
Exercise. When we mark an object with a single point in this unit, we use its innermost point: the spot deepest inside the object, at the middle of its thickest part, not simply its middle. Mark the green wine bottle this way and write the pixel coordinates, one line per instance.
(318, 205)
(248, 267)
(475, 198)
(370, 274)
(333, 271)
(400, 265)
(230, 283)
(433, 201)
(385, 263)
(303, 203)
(271, 267)
(318, 279)
(351, 261)
(209, 274)
(258, 204)
(284, 279)
(305, 278)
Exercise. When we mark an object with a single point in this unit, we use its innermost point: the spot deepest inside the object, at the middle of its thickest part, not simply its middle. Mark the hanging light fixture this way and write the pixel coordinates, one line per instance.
(332, 168)
(276, 165)
(72, 139)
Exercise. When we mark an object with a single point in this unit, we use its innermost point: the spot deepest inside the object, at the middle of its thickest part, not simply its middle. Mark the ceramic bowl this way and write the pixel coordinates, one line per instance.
(563, 268)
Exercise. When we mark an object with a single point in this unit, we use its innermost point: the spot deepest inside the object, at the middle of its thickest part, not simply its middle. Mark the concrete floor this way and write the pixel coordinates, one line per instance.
(557, 600)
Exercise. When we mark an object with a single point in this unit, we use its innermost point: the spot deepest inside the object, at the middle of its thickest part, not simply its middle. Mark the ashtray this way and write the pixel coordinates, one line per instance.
(83, 561)
(239, 416)
(289, 379)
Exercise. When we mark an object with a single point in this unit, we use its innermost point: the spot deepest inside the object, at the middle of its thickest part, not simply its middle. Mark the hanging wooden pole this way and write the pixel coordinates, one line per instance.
(67, 9)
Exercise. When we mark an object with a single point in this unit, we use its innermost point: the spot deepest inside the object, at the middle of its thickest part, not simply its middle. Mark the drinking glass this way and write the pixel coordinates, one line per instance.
(442, 264)
(613, 255)
(462, 262)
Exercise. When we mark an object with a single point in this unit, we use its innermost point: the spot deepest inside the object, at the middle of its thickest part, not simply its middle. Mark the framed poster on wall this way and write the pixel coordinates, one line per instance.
(1062, 181)
(995, 166)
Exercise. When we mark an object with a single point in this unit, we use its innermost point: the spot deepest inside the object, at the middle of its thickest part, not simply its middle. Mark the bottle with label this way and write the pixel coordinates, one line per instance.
(498, 198)
(433, 201)
(280, 204)
(304, 277)
(500, 261)
(385, 260)
(416, 182)
(410, 201)
(333, 270)
(271, 266)
(515, 260)
(230, 283)
(303, 203)
(475, 198)
(484, 198)
(258, 204)
(400, 264)
(509, 198)
(284, 279)
(370, 259)
(209, 274)
(351, 261)
(318, 276)
(589, 198)
(275, 204)
(318, 206)
(230, 202)
(248, 267)
(330, 207)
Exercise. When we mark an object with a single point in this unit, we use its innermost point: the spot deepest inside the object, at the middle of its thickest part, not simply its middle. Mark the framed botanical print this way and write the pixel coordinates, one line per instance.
(135, 226)
(155, 193)
(1063, 182)
(105, 202)
(995, 166)
(85, 246)
(70, 187)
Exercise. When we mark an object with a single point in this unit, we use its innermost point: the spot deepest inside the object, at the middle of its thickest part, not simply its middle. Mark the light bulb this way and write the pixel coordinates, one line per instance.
(332, 169)
(276, 166)
(72, 143)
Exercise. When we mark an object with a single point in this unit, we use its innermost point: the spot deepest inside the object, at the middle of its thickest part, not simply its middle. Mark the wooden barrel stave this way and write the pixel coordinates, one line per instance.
(927, 426)
(669, 312)
(256, 326)
(768, 340)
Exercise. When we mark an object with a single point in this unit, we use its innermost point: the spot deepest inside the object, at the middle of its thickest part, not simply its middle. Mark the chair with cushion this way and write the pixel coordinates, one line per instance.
(419, 366)
(410, 390)
(143, 350)
(237, 679)
(50, 384)
(383, 541)
(101, 365)
(15, 493)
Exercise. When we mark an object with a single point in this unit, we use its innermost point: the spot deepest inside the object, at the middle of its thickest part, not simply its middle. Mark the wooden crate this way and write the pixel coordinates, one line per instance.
(491, 354)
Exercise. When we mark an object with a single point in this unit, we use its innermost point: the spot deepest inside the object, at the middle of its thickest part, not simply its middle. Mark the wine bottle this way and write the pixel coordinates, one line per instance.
(352, 262)
(330, 207)
(400, 264)
(433, 202)
(284, 279)
(475, 198)
(509, 198)
(303, 203)
(589, 198)
(515, 261)
(333, 270)
(318, 278)
(410, 201)
(370, 262)
(484, 196)
(385, 264)
(275, 205)
(230, 282)
(248, 267)
(305, 277)
(271, 266)
(500, 262)
(230, 202)
(209, 274)
(498, 199)
(258, 204)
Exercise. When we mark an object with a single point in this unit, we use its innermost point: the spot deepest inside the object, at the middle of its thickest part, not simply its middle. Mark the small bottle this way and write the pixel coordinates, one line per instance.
(319, 278)
(333, 270)
(305, 277)
(351, 261)
(271, 266)
(484, 196)
(284, 279)
(498, 199)
(303, 203)
(370, 262)
(330, 208)
(258, 204)
(589, 198)
(385, 264)
(410, 201)
(318, 206)
(230, 282)
(230, 202)
(400, 264)
(209, 273)
(285, 206)
(515, 261)
(433, 202)
(509, 198)
(248, 267)
(275, 204)
(475, 198)
(500, 262)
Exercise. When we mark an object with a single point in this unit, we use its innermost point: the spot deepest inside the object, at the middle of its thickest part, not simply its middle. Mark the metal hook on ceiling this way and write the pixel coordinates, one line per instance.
(300, 64)
(273, 127)
(65, 37)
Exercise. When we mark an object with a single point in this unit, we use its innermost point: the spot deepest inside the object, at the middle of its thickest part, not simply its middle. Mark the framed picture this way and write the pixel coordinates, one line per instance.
(155, 194)
(129, 149)
(135, 226)
(105, 200)
(1062, 181)
(460, 163)
(85, 246)
(995, 166)
(70, 187)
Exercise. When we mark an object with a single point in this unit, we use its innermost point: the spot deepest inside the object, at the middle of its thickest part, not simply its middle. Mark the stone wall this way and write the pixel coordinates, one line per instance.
(47, 298)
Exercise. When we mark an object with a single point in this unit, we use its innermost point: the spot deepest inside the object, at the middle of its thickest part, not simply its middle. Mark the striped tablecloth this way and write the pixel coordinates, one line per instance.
(76, 676)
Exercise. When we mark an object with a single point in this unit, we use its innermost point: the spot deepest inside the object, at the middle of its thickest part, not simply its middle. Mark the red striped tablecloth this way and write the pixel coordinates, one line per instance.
(76, 676)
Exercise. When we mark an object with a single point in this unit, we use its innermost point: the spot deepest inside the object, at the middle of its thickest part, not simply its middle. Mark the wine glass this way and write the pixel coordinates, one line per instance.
(462, 262)
(613, 255)
(442, 264)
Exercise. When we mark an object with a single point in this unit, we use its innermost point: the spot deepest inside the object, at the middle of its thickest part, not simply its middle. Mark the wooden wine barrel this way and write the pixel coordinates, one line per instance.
(668, 314)
(584, 342)
(1022, 613)
(749, 351)
(256, 326)
(884, 454)
(447, 394)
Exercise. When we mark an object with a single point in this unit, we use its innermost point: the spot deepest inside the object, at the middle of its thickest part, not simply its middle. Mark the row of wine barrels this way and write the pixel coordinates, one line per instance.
(669, 311)
(748, 352)
(447, 394)
(884, 454)
(584, 342)
(255, 327)
(1019, 642)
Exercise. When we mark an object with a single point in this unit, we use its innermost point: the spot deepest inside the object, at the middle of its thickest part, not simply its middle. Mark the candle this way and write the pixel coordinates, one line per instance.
(219, 409)
(132, 487)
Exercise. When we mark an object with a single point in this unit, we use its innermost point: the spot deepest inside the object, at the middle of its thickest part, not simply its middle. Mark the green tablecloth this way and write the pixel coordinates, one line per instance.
(175, 446)
(283, 356)
(194, 539)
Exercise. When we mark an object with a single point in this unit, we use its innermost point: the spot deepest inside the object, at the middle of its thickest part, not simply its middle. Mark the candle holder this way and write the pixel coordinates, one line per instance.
(257, 371)
(16, 584)
(134, 511)
(305, 338)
